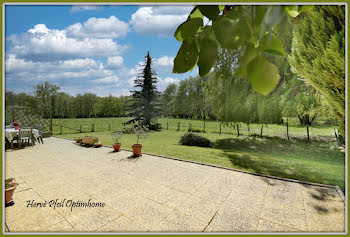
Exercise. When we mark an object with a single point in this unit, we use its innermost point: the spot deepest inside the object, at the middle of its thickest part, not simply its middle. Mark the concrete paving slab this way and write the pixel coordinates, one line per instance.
(233, 220)
(158, 194)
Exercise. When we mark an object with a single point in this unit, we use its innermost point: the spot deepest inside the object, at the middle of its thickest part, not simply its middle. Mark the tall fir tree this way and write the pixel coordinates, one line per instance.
(318, 55)
(146, 107)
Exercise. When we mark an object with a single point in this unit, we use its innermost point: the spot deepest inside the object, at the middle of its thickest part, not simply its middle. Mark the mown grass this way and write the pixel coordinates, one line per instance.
(315, 161)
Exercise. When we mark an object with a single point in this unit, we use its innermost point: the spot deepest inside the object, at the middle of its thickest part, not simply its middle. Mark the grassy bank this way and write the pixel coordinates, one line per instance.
(316, 161)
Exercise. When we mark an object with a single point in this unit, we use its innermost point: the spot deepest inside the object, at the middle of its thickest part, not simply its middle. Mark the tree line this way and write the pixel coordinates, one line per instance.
(63, 105)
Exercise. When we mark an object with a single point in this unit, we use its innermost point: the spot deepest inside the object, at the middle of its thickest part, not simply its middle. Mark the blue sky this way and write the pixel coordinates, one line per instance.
(90, 49)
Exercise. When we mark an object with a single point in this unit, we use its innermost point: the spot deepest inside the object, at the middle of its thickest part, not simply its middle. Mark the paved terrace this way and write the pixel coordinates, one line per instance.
(156, 194)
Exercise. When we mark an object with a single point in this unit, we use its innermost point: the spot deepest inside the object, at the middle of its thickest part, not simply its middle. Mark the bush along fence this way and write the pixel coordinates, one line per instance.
(196, 126)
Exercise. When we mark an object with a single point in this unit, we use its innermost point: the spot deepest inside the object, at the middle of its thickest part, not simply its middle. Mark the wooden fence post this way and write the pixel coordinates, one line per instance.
(167, 125)
(60, 129)
(220, 129)
(287, 132)
(336, 136)
(237, 130)
(308, 136)
(261, 130)
(80, 129)
(13, 115)
(178, 126)
(50, 121)
(93, 128)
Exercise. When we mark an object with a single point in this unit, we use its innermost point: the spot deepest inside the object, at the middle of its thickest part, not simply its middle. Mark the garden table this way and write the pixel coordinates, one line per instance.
(11, 133)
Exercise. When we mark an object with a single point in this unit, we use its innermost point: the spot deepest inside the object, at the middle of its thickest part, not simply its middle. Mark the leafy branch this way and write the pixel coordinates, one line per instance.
(253, 31)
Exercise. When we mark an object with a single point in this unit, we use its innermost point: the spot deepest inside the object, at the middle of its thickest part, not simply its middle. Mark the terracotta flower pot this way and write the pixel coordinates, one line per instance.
(116, 146)
(136, 150)
(9, 193)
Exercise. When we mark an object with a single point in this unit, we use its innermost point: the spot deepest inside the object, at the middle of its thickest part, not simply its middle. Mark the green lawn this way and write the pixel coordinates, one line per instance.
(315, 161)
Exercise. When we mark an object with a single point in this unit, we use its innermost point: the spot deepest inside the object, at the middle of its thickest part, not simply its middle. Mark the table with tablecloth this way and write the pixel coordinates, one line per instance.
(11, 133)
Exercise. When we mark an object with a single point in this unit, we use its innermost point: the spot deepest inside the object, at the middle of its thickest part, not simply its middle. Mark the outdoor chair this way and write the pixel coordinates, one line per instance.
(40, 137)
(25, 135)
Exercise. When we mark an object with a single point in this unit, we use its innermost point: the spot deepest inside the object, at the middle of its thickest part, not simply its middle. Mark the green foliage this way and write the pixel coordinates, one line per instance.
(263, 75)
(190, 139)
(299, 99)
(117, 135)
(141, 132)
(145, 107)
(187, 57)
(318, 55)
(250, 29)
(9, 183)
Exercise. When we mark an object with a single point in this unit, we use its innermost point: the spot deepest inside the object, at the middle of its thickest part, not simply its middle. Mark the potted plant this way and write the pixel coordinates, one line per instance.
(78, 140)
(10, 186)
(140, 132)
(97, 144)
(16, 125)
(116, 136)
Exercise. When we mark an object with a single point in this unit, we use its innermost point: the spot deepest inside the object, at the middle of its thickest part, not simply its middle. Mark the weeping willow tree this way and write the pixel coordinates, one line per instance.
(234, 98)
(318, 55)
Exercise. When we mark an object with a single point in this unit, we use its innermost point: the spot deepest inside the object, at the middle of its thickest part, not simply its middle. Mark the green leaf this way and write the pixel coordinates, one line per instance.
(195, 13)
(292, 10)
(250, 53)
(235, 12)
(221, 7)
(263, 75)
(207, 54)
(206, 32)
(305, 8)
(210, 11)
(188, 29)
(230, 33)
(273, 17)
(259, 14)
(273, 45)
(187, 57)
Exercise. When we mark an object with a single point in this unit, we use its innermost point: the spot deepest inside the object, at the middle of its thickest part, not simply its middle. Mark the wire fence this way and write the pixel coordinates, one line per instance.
(72, 126)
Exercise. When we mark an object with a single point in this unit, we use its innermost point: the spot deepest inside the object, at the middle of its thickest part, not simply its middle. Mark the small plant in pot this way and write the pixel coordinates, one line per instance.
(116, 137)
(10, 187)
(140, 132)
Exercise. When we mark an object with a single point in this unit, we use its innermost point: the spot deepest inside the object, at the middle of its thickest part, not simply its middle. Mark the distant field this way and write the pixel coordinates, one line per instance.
(106, 124)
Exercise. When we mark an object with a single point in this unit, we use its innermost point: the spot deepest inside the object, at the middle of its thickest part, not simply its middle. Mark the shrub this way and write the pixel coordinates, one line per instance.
(128, 130)
(195, 130)
(190, 139)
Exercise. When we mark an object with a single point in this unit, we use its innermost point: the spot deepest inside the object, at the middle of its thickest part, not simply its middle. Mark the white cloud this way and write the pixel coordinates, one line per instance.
(43, 44)
(85, 8)
(161, 21)
(110, 27)
(164, 61)
(163, 64)
(109, 79)
(163, 83)
(115, 62)
(19, 70)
